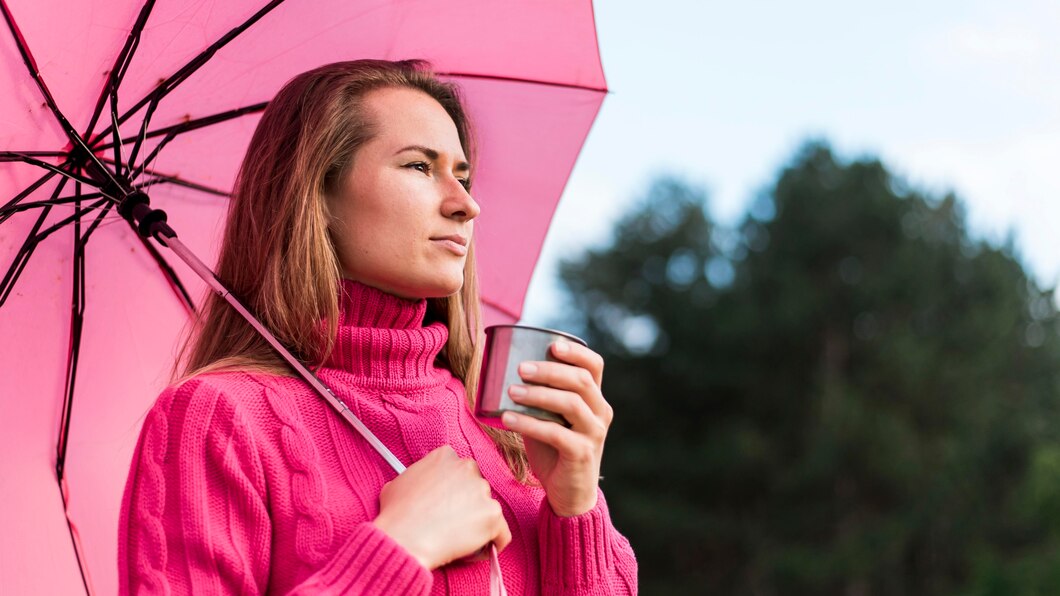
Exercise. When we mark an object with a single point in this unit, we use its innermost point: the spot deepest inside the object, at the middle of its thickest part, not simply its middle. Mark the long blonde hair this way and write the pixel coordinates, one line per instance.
(276, 252)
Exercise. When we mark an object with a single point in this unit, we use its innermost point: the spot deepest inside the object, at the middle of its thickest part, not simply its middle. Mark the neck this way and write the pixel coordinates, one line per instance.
(382, 336)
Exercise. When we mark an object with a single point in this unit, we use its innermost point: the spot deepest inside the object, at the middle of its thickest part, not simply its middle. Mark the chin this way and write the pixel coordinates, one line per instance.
(437, 288)
(448, 289)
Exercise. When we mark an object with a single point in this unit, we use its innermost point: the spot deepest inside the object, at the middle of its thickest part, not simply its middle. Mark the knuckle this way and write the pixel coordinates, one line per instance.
(495, 509)
(585, 379)
(505, 536)
(594, 429)
(583, 453)
(598, 362)
(600, 432)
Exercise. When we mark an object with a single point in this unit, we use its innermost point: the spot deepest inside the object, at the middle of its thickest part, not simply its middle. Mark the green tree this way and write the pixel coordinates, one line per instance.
(847, 394)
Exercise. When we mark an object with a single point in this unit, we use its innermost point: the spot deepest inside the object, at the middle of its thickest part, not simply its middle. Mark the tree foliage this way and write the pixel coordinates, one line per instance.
(845, 394)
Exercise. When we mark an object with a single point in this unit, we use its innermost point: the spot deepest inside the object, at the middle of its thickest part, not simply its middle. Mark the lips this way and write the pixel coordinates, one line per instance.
(458, 239)
(455, 244)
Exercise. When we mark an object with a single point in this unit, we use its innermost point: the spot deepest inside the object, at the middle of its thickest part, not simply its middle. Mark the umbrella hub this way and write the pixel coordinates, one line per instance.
(111, 183)
(133, 204)
(135, 207)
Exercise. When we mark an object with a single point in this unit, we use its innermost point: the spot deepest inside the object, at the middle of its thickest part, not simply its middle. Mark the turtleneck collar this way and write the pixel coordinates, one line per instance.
(382, 337)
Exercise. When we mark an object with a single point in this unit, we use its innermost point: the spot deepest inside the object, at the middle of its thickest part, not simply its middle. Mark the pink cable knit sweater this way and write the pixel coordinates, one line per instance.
(249, 483)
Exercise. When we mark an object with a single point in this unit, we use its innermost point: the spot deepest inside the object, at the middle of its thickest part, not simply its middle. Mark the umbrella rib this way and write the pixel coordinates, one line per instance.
(170, 83)
(33, 154)
(114, 125)
(141, 137)
(171, 133)
(75, 540)
(121, 65)
(21, 258)
(171, 276)
(95, 223)
(34, 72)
(26, 192)
(26, 250)
(16, 156)
(159, 178)
(518, 80)
(163, 178)
(190, 125)
(77, 312)
(6, 211)
(186, 71)
(131, 43)
(74, 217)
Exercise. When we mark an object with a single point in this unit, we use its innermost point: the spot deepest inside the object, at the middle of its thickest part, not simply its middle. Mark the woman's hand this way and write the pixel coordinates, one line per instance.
(440, 509)
(565, 460)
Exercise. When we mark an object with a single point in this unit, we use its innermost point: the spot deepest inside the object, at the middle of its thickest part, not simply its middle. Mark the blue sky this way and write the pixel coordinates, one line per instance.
(961, 96)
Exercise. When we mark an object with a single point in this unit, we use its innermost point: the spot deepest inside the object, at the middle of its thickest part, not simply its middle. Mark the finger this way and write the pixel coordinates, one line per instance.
(565, 403)
(570, 445)
(480, 555)
(503, 538)
(469, 467)
(581, 356)
(444, 453)
(501, 535)
(571, 378)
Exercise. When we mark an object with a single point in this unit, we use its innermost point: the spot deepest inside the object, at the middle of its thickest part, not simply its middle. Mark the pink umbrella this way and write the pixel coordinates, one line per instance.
(164, 96)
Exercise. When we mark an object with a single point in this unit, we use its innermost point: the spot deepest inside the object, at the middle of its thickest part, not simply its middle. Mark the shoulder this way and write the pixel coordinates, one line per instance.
(226, 403)
(234, 388)
(230, 382)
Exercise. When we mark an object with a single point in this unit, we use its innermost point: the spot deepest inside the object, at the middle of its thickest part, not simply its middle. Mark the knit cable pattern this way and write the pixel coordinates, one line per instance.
(314, 530)
(151, 558)
(247, 483)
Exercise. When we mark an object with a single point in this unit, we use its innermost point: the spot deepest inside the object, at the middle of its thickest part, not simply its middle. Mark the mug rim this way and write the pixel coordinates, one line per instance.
(570, 336)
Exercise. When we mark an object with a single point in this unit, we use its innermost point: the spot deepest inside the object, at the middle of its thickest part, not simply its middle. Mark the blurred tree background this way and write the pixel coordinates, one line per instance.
(846, 394)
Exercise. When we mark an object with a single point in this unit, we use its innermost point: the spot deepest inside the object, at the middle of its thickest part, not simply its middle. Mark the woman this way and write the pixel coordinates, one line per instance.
(350, 235)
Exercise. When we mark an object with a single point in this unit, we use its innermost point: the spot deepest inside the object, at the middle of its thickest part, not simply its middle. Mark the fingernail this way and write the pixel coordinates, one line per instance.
(517, 391)
(562, 347)
(508, 419)
(527, 369)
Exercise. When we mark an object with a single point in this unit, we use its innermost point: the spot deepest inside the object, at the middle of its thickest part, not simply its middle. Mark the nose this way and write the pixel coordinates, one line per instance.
(458, 203)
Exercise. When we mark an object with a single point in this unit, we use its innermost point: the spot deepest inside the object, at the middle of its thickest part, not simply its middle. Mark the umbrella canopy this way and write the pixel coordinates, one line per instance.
(167, 95)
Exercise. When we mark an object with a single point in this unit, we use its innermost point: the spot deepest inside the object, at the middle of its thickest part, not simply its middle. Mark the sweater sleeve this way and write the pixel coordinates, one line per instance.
(584, 554)
(195, 517)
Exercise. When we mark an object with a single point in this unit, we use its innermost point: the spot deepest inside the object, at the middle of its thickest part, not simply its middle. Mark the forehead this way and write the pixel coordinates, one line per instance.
(405, 117)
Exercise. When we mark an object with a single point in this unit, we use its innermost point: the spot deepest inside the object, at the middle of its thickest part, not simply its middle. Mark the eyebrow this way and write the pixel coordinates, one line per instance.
(461, 166)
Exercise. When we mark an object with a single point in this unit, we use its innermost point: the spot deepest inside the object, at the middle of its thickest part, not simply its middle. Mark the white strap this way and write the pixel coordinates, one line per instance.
(496, 580)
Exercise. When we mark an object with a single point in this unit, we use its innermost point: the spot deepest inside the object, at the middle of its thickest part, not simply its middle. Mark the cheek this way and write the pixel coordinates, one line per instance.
(377, 235)
(384, 223)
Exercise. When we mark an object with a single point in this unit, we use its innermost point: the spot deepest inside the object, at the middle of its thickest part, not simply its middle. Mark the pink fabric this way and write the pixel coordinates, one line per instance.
(533, 82)
(250, 483)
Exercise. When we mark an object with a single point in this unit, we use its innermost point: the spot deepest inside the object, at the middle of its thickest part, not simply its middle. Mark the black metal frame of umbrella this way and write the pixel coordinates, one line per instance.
(113, 181)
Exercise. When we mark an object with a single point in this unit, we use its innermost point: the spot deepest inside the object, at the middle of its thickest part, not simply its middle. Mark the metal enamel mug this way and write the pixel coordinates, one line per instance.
(506, 347)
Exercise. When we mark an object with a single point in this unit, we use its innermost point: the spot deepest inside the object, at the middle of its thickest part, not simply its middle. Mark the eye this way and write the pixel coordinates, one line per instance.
(425, 167)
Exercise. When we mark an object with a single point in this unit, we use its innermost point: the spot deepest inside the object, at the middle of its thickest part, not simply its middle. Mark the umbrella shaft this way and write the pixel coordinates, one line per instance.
(215, 284)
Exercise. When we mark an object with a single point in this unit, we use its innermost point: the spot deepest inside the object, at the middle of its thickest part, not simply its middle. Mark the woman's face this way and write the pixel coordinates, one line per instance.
(402, 219)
